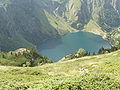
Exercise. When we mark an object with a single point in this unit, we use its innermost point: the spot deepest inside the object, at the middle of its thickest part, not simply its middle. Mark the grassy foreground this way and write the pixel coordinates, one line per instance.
(100, 72)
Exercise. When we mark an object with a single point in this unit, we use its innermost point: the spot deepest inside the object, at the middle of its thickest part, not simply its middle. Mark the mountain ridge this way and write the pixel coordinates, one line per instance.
(28, 23)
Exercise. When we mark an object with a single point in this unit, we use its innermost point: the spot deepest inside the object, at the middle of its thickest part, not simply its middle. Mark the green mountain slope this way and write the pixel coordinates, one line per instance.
(27, 23)
(91, 72)
(20, 26)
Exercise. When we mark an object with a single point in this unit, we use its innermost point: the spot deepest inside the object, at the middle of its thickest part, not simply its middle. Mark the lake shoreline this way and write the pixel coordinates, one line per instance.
(58, 47)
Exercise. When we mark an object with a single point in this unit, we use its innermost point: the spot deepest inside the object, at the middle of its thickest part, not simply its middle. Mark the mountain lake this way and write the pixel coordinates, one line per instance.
(58, 47)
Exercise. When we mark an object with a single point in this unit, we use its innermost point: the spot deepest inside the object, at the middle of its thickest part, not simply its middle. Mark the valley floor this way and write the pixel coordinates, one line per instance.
(100, 72)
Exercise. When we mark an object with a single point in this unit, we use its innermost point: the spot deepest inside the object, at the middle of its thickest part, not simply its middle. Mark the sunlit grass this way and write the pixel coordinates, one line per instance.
(91, 72)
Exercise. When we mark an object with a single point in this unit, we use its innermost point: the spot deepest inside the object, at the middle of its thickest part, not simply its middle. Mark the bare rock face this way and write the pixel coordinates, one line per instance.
(79, 12)
(22, 51)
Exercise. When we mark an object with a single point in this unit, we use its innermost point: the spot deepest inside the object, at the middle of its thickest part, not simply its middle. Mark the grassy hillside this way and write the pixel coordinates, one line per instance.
(93, 27)
(101, 72)
(23, 57)
(27, 23)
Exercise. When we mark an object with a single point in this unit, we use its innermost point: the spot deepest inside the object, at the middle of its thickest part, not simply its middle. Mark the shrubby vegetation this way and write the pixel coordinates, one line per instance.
(113, 48)
(30, 57)
(81, 52)
(94, 72)
(101, 72)
(23, 57)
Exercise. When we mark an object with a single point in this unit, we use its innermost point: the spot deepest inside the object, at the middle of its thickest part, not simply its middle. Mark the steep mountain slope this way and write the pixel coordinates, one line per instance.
(20, 26)
(96, 16)
(26, 23)
(91, 72)
(105, 13)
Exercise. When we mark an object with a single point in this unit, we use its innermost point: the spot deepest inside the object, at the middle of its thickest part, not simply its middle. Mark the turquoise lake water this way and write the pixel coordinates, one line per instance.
(56, 48)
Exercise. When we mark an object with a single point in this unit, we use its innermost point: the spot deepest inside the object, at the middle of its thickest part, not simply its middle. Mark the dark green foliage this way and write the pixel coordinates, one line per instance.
(117, 44)
(28, 58)
(112, 49)
(80, 53)
(104, 51)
